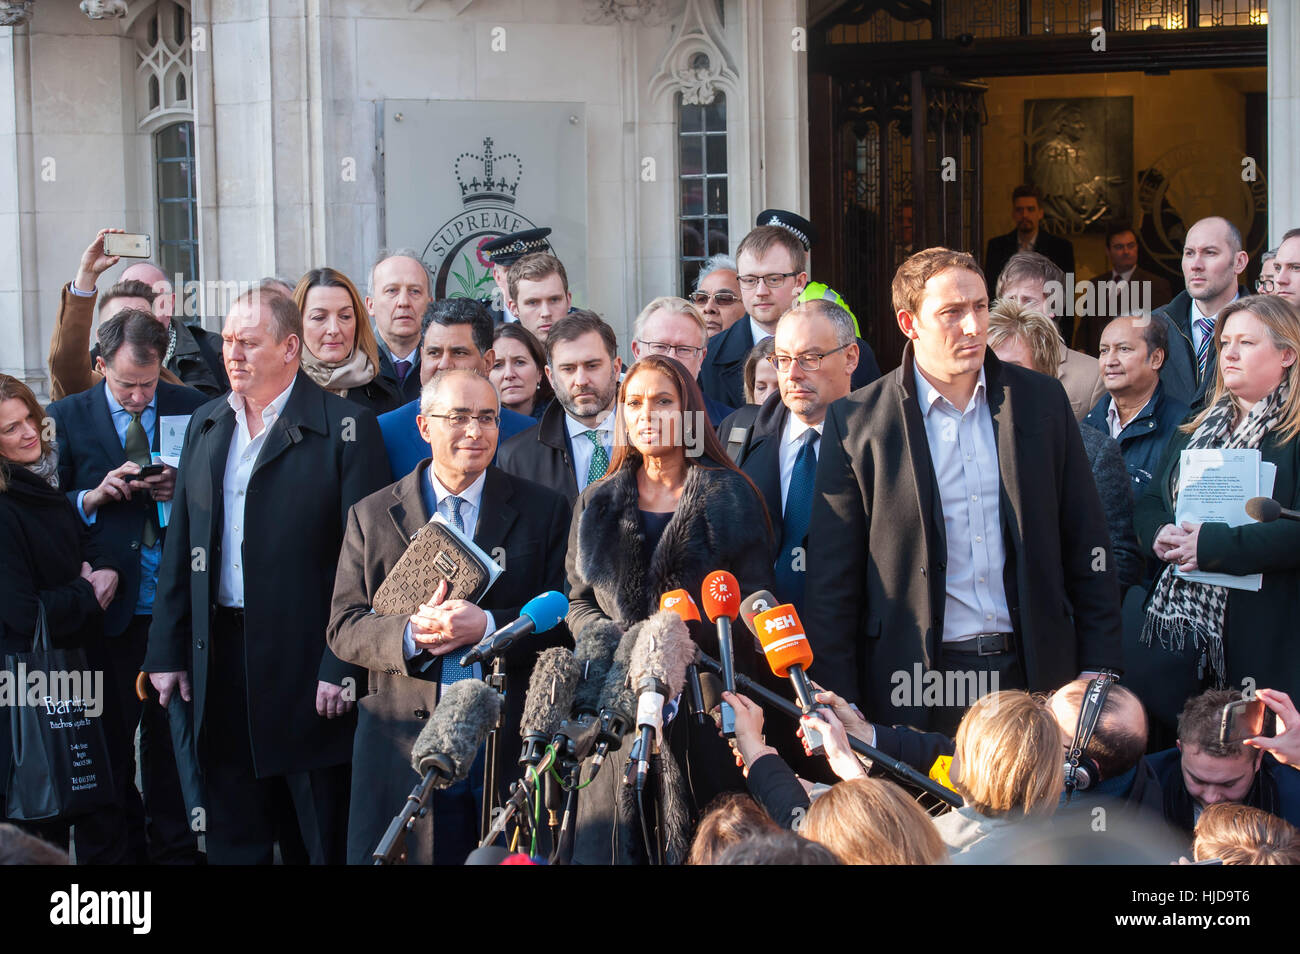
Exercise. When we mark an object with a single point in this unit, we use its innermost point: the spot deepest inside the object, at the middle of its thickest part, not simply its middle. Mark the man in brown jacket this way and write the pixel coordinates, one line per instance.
(194, 355)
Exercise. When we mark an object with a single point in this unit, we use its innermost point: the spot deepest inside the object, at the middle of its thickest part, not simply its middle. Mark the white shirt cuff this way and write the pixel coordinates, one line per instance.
(72, 287)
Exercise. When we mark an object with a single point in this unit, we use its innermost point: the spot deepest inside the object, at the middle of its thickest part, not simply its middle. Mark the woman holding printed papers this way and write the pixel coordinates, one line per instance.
(1228, 595)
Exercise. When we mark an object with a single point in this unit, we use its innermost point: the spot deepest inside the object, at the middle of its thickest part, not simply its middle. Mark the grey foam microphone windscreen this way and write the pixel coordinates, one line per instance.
(594, 650)
(617, 694)
(466, 713)
(663, 651)
(550, 692)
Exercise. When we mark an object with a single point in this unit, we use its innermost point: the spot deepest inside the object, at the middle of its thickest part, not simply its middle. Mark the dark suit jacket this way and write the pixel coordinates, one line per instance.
(761, 458)
(1179, 374)
(542, 454)
(379, 395)
(722, 375)
(527, 521)
(409, 389)
(321, 456)
(1087, 331)
(89, 449)
(1002, 247)
(878, 550)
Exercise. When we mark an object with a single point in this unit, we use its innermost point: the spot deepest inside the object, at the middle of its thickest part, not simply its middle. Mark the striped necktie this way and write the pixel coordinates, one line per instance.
(1206, 326)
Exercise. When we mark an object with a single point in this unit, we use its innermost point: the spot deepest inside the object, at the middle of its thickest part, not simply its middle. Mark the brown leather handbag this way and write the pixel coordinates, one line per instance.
(435, 553)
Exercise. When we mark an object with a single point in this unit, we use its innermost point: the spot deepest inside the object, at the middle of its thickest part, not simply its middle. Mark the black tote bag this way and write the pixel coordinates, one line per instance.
(59, 767)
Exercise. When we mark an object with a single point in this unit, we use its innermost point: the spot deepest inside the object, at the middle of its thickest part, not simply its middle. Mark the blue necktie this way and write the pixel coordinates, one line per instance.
(792, 561)
(452, 671)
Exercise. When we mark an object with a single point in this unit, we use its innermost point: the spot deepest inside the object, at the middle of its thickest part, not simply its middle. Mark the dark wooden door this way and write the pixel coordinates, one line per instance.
(895, 162)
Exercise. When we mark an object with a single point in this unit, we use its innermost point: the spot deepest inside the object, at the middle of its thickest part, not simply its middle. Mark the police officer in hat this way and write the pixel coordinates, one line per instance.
(803, 230)
(504, 252)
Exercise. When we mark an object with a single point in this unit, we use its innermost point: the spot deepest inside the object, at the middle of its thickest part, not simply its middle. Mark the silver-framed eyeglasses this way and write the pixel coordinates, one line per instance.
(681, 352)
(808, 362)
(487, 422)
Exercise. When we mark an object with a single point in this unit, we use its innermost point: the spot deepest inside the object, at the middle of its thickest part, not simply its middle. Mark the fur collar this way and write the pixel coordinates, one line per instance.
(714, 521)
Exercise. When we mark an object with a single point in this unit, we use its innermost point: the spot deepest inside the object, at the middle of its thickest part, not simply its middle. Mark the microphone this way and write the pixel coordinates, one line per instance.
(679, 601)
(786, 648)
(538, 615)
(658, 668)
(550, 697)
(751, 606)
(447, 745)
(594, 649)
(442, 755)
(721, 597)
(1266, 510)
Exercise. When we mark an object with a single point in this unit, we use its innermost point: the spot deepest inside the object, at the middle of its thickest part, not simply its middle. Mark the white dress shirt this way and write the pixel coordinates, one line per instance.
(756, 332)
(583, 450)
(240, 460)
(788, 453)
(471, 505)
(964, 452)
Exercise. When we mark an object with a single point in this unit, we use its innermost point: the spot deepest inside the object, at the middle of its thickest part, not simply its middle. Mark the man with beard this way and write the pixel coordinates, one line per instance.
(571, 446)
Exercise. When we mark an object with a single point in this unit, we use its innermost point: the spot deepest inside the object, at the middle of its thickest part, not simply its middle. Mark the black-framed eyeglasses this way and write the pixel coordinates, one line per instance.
(808, 362)
(487, 422)
(722, 298)
(775, 280)
(684, 352)
(1264, 286)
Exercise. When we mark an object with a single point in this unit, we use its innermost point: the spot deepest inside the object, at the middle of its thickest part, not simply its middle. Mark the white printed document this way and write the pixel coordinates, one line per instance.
(1213, 487)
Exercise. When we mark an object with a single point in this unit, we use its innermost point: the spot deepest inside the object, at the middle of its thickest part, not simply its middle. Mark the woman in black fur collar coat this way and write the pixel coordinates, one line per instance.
(671, 509)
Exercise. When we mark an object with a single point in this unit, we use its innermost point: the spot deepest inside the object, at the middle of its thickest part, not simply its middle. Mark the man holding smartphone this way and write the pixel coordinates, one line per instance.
(192, 356)
(106, 438)
(1203, 770)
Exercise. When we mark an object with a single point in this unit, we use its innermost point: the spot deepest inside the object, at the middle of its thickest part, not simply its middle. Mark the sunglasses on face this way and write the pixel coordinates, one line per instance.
(722, 298)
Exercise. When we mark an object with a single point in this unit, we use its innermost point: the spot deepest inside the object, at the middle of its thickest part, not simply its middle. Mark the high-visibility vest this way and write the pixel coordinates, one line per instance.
(820, 290)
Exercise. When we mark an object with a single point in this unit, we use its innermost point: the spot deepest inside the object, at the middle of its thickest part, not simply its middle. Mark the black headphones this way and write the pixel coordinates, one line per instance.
(1081, 772)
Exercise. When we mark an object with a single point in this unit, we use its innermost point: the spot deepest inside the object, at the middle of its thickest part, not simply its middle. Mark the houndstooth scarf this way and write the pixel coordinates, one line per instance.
(1181, 607)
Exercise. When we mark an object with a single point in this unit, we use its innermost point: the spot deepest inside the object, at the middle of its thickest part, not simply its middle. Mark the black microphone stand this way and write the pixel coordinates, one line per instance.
(516, 804)
(497, 680)
(392, 847)
(645, 791)
(892, 765)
